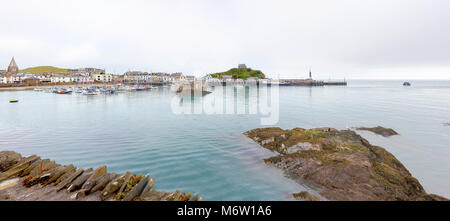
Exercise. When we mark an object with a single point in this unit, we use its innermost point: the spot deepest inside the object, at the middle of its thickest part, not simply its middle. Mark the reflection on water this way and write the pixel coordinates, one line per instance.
(206, 152)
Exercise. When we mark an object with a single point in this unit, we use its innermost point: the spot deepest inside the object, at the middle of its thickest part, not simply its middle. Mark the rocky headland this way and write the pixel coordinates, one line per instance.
(33, 178)
(340, 165)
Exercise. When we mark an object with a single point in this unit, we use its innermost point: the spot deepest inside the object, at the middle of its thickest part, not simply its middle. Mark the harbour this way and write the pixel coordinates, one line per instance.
(224, 101)
(207, 154)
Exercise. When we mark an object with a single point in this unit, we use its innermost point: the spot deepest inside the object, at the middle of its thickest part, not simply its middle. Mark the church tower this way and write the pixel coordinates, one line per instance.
(13, 68)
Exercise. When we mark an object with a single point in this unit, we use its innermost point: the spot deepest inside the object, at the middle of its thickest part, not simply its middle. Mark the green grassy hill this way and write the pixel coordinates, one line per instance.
(44, 69)
(240, 73)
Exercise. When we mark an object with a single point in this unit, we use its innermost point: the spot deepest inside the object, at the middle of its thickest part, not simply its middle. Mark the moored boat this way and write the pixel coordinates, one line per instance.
(406, 84)
(89, 92)
(13, 101)
(63, 91)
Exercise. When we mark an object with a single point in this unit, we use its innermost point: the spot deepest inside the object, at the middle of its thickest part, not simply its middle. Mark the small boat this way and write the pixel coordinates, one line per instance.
(63, 91)
(90, 92)
(284, 84)
(406, 84)
(13, 101)
(108, 91)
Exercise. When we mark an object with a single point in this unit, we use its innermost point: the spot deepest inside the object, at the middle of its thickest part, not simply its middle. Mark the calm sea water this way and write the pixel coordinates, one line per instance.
(138, 132)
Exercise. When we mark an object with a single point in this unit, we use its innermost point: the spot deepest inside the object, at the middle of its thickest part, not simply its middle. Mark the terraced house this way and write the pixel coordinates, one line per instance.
(71, 78)
(102, 77)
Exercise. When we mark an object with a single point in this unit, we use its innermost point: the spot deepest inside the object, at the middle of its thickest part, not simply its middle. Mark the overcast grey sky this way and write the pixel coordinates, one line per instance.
(338, 38)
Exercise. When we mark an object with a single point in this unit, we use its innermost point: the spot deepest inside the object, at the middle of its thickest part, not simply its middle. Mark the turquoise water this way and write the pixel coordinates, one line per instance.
(139, 132)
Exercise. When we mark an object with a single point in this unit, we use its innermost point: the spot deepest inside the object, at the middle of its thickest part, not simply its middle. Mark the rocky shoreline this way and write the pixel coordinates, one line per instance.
(32, 178)
(340, 165)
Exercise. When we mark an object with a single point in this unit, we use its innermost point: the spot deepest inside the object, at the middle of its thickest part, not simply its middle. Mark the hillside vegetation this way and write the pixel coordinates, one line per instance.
(44, 69)
(240, 73)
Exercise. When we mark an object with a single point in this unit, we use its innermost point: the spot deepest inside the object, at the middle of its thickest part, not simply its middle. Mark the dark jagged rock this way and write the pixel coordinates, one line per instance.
(79, 181)
(91, 181)
(385, 132)
(114, 185)
(81, 194)
(65, 183)
(45, 165)
(129, 186)
(194, 197)
(18, 168)
(149, 186)
(60, 173)
(36, 169)
(173, 196)
(102, 182)
(137, 189)
(54, 174)
(65, 176)
(28, 170)
(340, 164)
(153, 195)
(30, 178)
(41, 177)
(305, 196)
(8, 159)
(126, 183)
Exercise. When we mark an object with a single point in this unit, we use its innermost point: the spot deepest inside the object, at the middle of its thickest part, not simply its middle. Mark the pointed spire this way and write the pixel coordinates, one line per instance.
(310, 75)
(12, 63)
(13, 68)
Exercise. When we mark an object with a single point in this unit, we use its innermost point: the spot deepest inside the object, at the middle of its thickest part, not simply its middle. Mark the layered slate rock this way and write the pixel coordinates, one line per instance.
(385, 132)
(305, 196)
(33, 178)
(340, 164)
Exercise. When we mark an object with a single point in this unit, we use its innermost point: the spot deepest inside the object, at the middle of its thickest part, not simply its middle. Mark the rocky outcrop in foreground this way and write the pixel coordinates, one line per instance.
(340, 164)
(33, 178)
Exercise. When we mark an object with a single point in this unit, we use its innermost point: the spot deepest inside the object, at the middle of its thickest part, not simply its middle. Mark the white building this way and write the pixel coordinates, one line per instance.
(210, 79)
(62, 78)
(136, 77)
(177, 77)
(102, 77)
(18, 78)
(190, 78)
(161, 77)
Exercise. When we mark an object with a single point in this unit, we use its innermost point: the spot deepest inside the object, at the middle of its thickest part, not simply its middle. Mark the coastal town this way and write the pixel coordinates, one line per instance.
(13, 76)
(51, 76)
